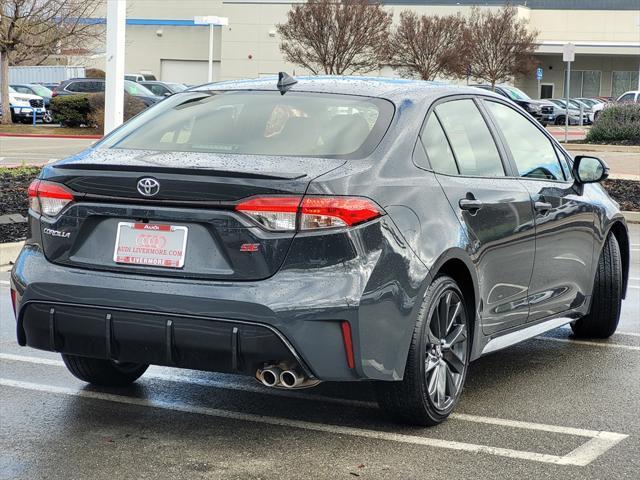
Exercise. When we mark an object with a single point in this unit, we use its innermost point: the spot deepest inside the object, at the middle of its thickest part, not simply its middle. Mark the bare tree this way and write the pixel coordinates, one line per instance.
(500, 46)
(336, 37)
(34, 30)
(429, 46)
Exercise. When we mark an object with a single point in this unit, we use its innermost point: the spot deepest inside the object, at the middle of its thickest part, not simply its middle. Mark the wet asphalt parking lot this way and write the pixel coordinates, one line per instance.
(551, 407)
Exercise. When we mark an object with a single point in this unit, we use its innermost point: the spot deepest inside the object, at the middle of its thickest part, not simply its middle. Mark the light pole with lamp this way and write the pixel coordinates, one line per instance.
(212, 21)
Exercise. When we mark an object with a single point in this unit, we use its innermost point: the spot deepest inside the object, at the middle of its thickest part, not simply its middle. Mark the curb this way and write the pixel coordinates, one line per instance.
(588, 147)
(44, 135)
(9, 252)
(632, 217)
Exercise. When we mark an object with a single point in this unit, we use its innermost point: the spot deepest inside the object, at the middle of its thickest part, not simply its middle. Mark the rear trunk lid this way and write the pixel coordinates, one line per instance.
(111, 215)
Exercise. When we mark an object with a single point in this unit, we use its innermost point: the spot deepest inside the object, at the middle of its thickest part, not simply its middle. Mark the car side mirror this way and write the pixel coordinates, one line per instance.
(588, 169)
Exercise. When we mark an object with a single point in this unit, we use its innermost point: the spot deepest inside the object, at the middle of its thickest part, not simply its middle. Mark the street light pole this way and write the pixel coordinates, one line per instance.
(114, 81)
(212, 21)
(210, 75)
(568, 55)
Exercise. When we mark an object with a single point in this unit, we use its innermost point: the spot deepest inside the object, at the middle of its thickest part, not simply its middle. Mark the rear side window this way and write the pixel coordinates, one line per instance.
(627, 97)
(470, 138)
(532, 151)
(437, 147)
(260, 123)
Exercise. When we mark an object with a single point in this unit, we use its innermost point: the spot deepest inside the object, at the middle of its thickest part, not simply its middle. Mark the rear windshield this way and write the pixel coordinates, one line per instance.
(259, 123)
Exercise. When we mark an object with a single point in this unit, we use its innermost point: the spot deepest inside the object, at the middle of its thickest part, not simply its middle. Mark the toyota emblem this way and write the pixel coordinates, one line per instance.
(148, 187)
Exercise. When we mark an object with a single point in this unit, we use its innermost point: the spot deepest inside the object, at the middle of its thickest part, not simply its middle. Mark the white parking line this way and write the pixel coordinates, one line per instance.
(599, 443)
(593, 344)
(4, 282)
(631, 334)
(205, 382)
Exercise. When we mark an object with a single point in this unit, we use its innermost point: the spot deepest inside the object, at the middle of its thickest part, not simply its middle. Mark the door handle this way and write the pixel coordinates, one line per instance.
(541, 206)
(470, 205)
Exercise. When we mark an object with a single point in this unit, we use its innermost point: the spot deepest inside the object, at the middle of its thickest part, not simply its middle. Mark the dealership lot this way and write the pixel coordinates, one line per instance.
(548, 407)
(16, 151)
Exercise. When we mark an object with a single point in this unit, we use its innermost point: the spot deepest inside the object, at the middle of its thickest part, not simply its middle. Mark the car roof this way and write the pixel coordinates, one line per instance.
(395, 89)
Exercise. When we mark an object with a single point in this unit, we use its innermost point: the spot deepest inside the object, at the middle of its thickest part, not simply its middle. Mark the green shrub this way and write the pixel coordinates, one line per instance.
(70, 110)
(88, 109)
(617, 124)
(132, 106)
(94, 73)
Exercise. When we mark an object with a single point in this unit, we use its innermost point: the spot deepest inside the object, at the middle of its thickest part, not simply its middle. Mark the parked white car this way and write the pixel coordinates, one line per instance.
(23, 104)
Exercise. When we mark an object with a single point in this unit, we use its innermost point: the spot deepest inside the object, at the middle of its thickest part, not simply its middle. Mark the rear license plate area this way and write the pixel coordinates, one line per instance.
(150, 244)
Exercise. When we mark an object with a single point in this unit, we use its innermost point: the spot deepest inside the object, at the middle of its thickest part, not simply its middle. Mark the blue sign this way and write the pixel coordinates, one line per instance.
(539, 72)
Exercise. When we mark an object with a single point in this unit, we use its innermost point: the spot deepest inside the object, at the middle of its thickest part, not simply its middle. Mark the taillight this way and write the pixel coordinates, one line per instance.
(309, 213)
(273, 213)
(48, 198)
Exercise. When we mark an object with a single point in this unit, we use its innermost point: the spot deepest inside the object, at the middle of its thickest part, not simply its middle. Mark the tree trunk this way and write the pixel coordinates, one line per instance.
(4, 89)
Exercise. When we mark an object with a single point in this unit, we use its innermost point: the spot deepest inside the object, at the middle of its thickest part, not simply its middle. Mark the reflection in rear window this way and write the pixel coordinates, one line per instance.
(262, 123)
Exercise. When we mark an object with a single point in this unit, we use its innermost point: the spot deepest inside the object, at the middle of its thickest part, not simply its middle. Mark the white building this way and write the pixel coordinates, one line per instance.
(162, 38)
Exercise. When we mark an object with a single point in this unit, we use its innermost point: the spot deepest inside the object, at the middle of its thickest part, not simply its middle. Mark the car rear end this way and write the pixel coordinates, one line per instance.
(209, 253)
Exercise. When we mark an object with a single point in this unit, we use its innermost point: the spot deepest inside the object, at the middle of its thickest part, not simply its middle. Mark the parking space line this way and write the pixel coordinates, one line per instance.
(205, 382)
(343, 401)
(593, 344)
(4, 282)
(581, 456)
(631, 334)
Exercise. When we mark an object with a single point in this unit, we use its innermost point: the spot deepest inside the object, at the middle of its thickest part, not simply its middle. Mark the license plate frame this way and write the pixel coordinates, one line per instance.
(148, 246)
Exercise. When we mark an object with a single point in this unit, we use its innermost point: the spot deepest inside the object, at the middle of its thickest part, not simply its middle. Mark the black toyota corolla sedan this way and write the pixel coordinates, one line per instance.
(319, 229)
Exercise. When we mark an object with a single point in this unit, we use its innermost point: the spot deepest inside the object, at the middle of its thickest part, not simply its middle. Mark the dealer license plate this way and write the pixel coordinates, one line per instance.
(151, 244)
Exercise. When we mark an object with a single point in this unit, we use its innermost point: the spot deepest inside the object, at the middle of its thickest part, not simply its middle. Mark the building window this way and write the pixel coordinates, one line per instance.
(584, 83)
(623, 82)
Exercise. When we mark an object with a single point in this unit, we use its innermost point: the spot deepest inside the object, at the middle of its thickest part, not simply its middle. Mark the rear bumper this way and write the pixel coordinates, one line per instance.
(302, 306)
(151, 338)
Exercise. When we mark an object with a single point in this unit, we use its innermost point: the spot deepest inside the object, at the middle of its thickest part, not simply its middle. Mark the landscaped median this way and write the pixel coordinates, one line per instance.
(14, 203)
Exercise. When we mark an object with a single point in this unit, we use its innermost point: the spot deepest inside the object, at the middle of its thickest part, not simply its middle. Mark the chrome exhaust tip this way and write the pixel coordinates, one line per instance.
(291, 378)
(270, 377)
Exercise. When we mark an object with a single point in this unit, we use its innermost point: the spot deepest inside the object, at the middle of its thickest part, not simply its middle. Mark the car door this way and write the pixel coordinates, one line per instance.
(495, 209)
(564, 217)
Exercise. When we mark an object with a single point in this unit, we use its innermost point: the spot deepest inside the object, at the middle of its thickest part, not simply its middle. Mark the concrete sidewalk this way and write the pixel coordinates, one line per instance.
(624, 161)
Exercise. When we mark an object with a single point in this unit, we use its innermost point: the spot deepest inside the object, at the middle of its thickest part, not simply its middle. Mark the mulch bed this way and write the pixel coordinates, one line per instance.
(14, 184)
(13, 199)
(625, 192)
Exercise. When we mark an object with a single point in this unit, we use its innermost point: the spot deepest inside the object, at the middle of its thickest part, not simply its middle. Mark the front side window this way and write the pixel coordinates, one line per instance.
(259, 123)
(158, 89)
(532, 151)
(437, 147)
(471, 140)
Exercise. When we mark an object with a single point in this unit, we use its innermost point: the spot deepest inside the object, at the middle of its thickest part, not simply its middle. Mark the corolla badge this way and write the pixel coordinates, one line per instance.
(148, 186)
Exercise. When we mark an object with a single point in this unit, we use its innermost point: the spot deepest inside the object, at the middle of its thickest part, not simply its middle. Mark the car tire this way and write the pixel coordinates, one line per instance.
(606, 299)
(103, 372)
(413, 400)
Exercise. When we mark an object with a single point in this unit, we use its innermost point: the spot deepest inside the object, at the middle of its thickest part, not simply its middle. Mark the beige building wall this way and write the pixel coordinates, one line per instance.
(606, 41)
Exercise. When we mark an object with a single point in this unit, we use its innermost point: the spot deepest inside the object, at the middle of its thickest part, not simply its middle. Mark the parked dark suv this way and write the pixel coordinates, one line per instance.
(542, 110)
(329, 229)
(75, 86)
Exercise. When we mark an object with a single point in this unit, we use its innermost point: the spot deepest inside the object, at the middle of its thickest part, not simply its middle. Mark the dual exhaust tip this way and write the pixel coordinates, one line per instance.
(274, 376)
